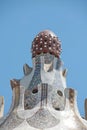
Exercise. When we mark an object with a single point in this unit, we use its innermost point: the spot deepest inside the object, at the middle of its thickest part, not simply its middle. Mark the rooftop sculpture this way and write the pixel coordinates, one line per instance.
(41, 99)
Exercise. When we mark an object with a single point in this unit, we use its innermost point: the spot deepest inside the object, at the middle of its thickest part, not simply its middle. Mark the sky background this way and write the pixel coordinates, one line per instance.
(22, 20)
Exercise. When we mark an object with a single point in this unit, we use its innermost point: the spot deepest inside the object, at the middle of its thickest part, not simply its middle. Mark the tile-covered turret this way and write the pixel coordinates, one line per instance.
(41, 99)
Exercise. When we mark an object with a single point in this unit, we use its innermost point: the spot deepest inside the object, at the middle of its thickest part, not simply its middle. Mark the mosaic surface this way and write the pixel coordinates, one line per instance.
(41, 100)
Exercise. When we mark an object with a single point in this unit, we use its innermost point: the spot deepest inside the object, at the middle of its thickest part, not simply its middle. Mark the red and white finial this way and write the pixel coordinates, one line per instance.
(46, 42)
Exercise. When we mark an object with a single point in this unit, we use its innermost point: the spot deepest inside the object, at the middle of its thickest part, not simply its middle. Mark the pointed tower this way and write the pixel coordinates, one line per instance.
(41, 99)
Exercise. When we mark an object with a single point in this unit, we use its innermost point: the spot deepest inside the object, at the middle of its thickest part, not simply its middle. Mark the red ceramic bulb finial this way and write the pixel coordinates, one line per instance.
(46, 42)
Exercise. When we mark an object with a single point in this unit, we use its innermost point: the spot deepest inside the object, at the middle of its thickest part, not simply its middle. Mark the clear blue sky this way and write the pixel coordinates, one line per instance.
(21, 20)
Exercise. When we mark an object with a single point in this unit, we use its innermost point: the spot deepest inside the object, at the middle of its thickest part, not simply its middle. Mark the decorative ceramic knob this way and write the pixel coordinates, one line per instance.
(46, 42)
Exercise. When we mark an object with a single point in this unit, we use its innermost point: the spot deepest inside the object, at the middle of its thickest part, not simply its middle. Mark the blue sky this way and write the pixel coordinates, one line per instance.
(22, 20)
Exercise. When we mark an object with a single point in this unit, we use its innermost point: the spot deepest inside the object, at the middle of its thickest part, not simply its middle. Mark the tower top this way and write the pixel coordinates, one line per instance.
(46, 42)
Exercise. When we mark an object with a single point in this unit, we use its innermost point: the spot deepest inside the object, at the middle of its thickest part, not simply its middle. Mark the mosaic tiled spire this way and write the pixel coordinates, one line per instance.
(41, 99)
